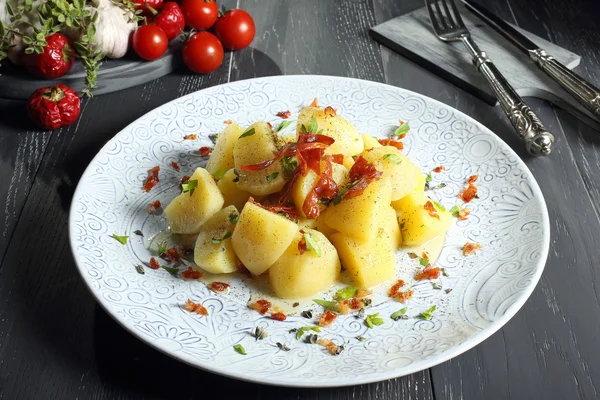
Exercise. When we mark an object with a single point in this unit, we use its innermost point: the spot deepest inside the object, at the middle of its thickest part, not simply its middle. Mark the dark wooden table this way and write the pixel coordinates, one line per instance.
(56, 342)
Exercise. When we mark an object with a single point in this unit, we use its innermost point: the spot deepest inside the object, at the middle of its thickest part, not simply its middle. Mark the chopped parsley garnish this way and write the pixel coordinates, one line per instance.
(361, 338)
(423, 261)
(138, 232)
(437, 286)
(240, 349)
(306, 314)
(455, 210)
(272, 176)
(213, 137)
(345, 293)
(448, 290)
(338, 199)
(392, 158)
(218, 174)
(305, 329)
(283, 125)
(428, 178)
(426, 315)
(259, 333)
(219, 240)
(444, 272)
(189, 186)
(438, 205)
(372, 320)
(289, 166)
(439, 186)
(330, 305)
(171, 270)
(312, 245)
(162, 248)
(140, 269)
(233, 218)
(403, 128)
(399, 314)
(249, 132)
(120, 239)
(282, 346)
(313, 126)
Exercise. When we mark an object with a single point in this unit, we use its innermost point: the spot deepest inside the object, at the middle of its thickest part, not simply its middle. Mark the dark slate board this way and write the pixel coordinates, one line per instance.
(114, 75)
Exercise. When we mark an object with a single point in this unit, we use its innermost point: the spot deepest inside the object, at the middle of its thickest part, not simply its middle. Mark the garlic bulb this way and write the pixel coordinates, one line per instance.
(113, 28)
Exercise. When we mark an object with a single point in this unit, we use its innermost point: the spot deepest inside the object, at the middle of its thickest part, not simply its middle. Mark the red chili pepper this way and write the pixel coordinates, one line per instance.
(55, 60)
(170, 19)
(53, 107)
(326, 188)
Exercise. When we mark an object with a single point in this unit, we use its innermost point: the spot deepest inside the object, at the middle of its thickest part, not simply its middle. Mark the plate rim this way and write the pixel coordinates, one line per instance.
(417, 366)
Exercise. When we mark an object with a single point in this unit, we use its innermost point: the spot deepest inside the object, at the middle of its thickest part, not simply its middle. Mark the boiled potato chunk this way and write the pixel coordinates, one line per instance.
(416, 224)
(396, 166)
(189, 210)
(260, 237)
(367, 263)
(348, 162)
(420, 188)
(306, 183)
(389, 229)
(296, 275)
(254, 148)
(358, 217)
(221, 158)
(347, 139)
(370, 142)
(232, 194)
(282, 140)
(217, 258)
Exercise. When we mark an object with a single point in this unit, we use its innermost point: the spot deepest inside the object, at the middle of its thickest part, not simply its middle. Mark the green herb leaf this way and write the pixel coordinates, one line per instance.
(330, 305)
(303, 129)
(423, 261)
(428, 177)
(403, 128)
(313, 126)
(218, 174)
(372, 320)
(272, 176)
(345, 293)
(189, 186)
(289, 166)
(338, 199)
(162, 248)
(249, 132)
(437, 286)
(219, 240)
(312, 245)
(438, 205)
(305, 329)
(283, 125)
(398, 314)
(455, 210)
(120, 239)
(233, 217)
(426, 315)
(240, 349)
(393, 158)
(171, 270)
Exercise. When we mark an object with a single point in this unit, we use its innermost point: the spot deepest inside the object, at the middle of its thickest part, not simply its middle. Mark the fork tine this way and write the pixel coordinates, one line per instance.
(440, 15)
(434, 20)
(451, 22)
(456, 13)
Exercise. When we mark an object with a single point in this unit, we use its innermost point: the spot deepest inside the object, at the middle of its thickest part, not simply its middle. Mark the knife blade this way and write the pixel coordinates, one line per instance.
(586, 93)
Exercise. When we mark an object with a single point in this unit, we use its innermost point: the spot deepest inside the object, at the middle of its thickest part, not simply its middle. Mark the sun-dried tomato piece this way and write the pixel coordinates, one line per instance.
(395, 288)
(315, 103)
(463, 214)
(326, 188)
(192, 136)
(403, 297)
(191, 273)
(472, 179)
(218, 286)
(152, 179)
(284, 114)
(278, 316)
(439, 169)
(155, 205)
(431, 210)
(205, 151)
(337, 158)
(175, 165)
(153, 263)
(356, 304)
(468, 194)
(228, 122)
(196, 307)
(289, 212)
(172, 255)
(327, 318)
(394, 143)
(330, 111)
(302, 246)
(262, 306)
(183, 180)
(428, 273)
(470, 248)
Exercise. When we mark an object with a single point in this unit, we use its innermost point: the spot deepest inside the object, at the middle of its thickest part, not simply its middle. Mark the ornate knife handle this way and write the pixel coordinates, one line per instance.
(586, 93)
(529, 127)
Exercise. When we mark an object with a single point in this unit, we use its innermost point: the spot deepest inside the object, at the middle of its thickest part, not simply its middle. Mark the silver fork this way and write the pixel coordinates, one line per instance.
(449, 27)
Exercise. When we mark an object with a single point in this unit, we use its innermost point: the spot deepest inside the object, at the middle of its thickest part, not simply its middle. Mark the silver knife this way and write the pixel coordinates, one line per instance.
(586, 93)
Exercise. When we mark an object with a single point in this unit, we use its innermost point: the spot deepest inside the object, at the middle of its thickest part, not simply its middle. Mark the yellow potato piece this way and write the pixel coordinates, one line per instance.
(417, 226)
(282, 140)
(357, 217)
(232, 194)
(252, 149)
(389, 229)
(367, 263)
(217, 258)
(306, 183)
(348, 162)
(221, 158)
(260, 237)
(401, 171)
(296, 275)
(370, 142)
(347, 139)
(188, 211)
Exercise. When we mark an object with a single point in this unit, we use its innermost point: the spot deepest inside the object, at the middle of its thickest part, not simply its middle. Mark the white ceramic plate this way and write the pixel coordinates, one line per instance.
(510, 219)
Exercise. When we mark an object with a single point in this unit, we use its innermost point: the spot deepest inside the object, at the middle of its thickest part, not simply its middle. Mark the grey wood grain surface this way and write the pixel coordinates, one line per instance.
(57, 343)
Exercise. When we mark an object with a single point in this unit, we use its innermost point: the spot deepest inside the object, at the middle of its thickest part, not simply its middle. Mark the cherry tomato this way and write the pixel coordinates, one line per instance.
(150, 42)
(200, 14)
(235, 29)
(203, 53)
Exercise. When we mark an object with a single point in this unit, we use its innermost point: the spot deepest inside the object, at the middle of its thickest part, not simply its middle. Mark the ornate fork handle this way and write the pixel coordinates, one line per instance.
(529, 127)
(583, 91)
